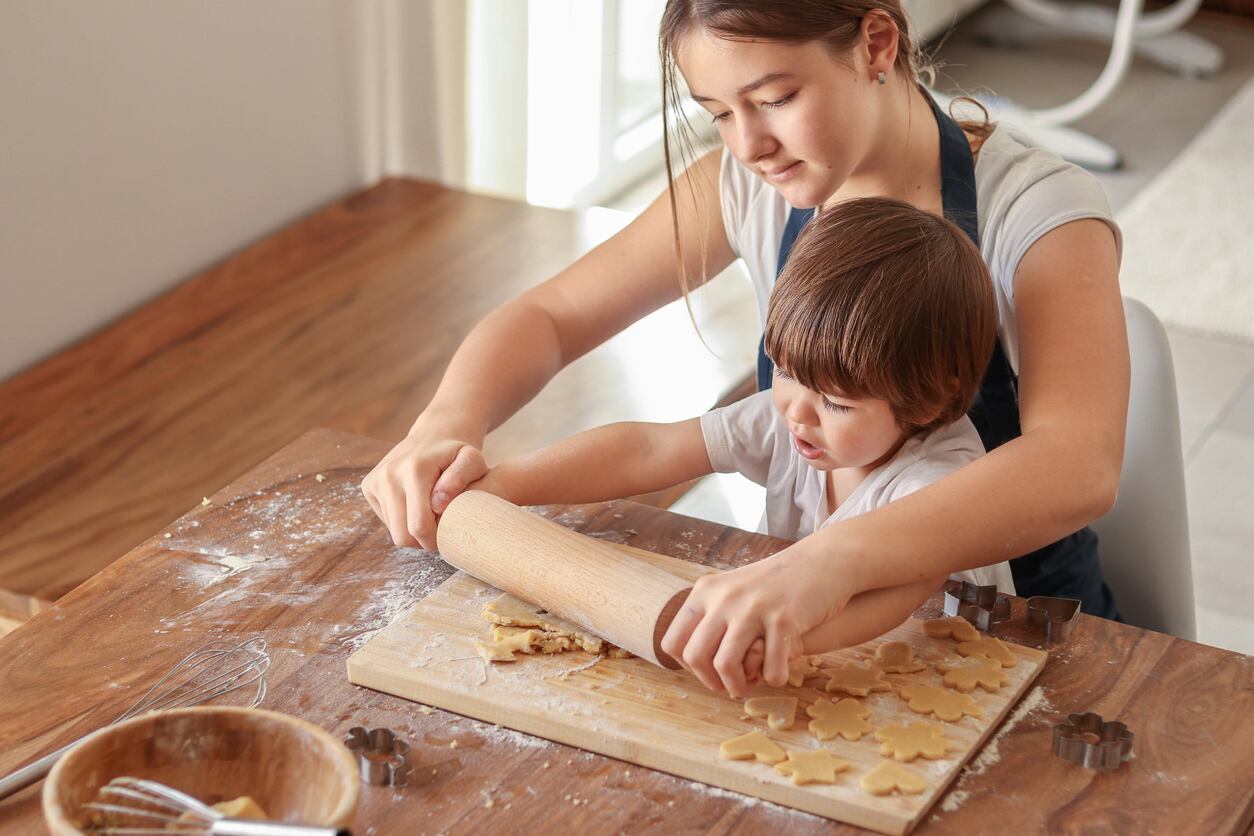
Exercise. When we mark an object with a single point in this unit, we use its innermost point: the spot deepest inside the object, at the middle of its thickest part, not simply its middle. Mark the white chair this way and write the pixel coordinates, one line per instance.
(1144, 540)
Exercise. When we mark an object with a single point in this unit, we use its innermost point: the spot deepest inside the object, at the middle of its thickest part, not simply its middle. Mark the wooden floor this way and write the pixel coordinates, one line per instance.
(344, 320)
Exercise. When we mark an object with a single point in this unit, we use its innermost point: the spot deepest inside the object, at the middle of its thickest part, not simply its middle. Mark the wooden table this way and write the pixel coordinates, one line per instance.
(302, 561)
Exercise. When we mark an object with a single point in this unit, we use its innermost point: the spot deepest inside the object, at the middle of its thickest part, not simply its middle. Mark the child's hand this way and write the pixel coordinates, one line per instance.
(778, 599)
(469, 467)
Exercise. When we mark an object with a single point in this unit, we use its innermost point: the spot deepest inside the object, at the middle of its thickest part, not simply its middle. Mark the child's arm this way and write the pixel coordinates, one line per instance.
(608, 462)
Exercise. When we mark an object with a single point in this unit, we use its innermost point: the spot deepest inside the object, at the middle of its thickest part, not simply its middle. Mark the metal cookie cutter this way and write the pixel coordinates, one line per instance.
(382, 756)
(980, 605)
(1088, 740)
(1056, 616)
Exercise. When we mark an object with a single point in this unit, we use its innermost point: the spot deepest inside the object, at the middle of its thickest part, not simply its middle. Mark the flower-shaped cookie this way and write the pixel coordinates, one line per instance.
(955, 626)
(846, 718)
(752, 746)
(780, 712)
(889, 776)
(857, 680)
(945, 704)
(814, 767)
(897, 657)
(983, 672)
(990, 647)
(905, 743)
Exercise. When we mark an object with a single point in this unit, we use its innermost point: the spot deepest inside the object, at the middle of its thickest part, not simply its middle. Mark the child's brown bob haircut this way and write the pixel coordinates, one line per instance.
(883, 300)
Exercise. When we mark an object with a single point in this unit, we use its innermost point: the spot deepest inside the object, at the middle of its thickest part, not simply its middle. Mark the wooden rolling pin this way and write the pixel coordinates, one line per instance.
(610, 594)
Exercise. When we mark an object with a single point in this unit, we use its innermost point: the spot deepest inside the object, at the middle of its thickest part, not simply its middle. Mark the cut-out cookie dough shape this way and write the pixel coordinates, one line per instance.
(905, 743)
(982, 672)
(889, 776)
(989, 647)
(846, 718)
(752, 746)
(780, 712)
(955, 627)
(814, 767)
(945, 704)
(856, 680)
(801, 669)
(897, 657)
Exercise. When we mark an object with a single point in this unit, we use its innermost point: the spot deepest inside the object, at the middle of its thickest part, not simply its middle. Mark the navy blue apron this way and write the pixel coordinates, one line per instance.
(1068, 568)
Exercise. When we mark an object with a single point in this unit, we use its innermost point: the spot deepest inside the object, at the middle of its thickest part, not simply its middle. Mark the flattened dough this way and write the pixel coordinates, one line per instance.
(990, 647)
(905, 743)
(814, 767)
(519, 627)
(955, 627)
(897, 657)
(889, 776)
(752, 746)
(856, 680)
(847, 718)
(945, 704)
(981, 672)
(780, 712)
(507, 610)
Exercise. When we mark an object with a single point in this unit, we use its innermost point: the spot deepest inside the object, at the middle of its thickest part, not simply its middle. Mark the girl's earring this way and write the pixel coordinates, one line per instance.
(881, 78)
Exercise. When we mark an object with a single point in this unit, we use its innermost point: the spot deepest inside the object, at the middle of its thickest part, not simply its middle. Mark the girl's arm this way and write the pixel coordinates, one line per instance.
(514, 351)
(608, 462)
(1059, 476)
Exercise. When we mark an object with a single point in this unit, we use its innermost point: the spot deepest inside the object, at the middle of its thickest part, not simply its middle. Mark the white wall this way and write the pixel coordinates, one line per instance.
(143, 141)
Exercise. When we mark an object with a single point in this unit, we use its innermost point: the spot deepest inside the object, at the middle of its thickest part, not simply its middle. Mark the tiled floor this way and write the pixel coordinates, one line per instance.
(1153, 118)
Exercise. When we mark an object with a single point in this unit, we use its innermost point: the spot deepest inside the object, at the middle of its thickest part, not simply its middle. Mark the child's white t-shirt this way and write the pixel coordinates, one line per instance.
(750, 437)
(1022, 192)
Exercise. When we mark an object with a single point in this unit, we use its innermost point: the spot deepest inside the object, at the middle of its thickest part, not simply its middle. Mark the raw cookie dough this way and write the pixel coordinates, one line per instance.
(752, 746)
(955, 626)
(780, 712)
(814, 767)
(889, 776)
(905, 743)
(945, 704)
(983, 672)
(519, 627)
(857, 680)
(506, 641)
(990, 647)
(897, 657)
(846, 718)
(801, 669)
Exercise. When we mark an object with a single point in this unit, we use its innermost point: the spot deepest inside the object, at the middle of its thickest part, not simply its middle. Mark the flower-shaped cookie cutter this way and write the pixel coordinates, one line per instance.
(983, 606)
(1090, 741)
(1056, 616)
(382, 757)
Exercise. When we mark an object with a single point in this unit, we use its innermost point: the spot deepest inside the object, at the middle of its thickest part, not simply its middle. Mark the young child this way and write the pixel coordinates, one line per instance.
(880, 328)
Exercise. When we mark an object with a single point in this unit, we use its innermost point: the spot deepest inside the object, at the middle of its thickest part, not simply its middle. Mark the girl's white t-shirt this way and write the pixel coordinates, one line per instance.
(750, 437)
(1022, 192)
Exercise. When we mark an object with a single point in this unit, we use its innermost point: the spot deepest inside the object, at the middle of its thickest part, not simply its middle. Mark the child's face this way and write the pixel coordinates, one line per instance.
(832, 432)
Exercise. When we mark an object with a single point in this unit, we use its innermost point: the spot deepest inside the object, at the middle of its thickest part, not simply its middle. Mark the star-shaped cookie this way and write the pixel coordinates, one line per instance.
(857, 680)
(889, 776)
(990, 647)
(897, 657)
(814, 767)
(982, 672)
(945, 704)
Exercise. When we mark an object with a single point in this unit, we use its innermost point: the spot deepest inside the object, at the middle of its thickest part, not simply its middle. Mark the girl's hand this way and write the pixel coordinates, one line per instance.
(413, 484)
(778, 599)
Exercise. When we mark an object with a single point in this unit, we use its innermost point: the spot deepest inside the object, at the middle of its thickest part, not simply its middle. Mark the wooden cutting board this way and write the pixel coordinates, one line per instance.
(666, 720)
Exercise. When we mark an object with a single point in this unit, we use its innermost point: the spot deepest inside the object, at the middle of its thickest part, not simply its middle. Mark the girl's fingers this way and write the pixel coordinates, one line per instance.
(393, 505)
(753, 660)
(729, 661)
(677, 635)
(419, 522)
(367, 490)
(700, 649)
(778, 650)
(468, 466)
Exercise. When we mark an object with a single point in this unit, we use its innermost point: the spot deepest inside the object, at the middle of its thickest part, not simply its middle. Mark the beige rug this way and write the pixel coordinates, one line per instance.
(1189, 235)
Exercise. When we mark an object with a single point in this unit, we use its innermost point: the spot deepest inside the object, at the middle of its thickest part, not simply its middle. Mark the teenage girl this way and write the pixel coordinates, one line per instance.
(818, 103)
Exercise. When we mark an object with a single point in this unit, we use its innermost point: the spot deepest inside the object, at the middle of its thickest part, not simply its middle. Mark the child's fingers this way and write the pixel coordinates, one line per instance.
(729, 661)
(468, 466)
(753, 660)
(778, 647)
(699, 652)
(680, 629)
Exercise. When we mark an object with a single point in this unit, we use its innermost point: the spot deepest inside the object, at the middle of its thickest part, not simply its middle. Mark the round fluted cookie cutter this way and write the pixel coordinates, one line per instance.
(382, 757)
(1089, 741)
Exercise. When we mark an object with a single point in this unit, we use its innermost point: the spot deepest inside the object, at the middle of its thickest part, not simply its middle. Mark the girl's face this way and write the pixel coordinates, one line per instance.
(832, 432)
(792, 113)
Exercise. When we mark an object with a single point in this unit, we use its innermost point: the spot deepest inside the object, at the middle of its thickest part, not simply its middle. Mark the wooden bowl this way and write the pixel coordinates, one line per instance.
(296, 771)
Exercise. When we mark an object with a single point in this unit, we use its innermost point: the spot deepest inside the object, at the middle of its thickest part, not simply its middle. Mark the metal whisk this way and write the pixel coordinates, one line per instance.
(217, 669)
(135, 806)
